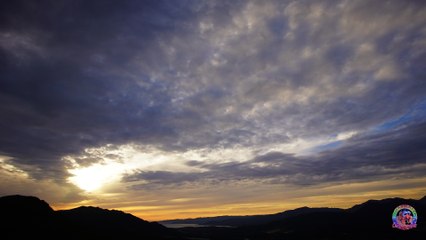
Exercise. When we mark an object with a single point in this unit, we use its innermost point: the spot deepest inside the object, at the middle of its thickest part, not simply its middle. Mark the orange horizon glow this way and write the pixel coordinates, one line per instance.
(176, 211)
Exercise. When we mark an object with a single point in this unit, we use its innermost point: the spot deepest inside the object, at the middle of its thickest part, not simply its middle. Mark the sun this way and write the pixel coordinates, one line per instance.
(115, 161)
(94, 177)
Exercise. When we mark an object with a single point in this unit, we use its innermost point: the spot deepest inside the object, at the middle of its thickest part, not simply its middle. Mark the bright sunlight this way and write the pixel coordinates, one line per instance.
(94, 177)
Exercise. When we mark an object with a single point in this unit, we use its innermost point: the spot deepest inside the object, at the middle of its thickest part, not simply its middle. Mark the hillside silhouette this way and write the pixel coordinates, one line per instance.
(369, 220)
(31, 218)
(239, 221)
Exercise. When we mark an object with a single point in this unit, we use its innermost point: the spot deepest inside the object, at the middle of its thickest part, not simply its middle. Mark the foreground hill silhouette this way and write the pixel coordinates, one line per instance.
(31, 218)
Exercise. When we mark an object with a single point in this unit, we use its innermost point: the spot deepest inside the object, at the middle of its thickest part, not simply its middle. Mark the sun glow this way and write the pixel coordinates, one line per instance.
(94, 177)
(116, 161)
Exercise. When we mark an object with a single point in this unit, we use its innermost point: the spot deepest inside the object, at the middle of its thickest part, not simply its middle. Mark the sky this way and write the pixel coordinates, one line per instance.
(187, 108)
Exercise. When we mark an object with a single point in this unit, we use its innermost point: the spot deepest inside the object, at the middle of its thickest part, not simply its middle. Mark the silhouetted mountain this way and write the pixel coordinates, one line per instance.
(30, 217)
(238, 221)
(101, 223)
(369, 220)
(22, 216)
(24, 205)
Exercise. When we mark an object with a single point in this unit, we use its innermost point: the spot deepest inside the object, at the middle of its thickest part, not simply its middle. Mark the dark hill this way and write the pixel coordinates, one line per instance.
(32, 218)
(22, 215)
(102, 223)
(238, 221)
(17, 205)
(369, 220)
(26, 217)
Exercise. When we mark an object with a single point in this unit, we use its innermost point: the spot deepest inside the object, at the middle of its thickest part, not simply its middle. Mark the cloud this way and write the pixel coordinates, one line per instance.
(224, 82)
(15, 181)
(369, 157)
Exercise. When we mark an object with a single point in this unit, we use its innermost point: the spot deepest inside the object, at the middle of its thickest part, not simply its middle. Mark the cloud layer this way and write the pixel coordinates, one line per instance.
(282, 92)
(396, 154)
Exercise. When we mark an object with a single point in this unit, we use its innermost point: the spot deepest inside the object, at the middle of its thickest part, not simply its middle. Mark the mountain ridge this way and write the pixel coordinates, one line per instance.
(247, 220)
(85, 222)
(369, 220)
(237, 221)
(27, 216)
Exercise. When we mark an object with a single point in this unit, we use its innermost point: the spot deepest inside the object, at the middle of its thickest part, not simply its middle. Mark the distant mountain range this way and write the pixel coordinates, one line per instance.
(32, 218)
(239, 221)
(369, 220)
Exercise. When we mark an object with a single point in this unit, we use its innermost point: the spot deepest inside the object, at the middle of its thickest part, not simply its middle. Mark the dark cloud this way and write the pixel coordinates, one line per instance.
(187, 75)
(396, 154)
(62, 84)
